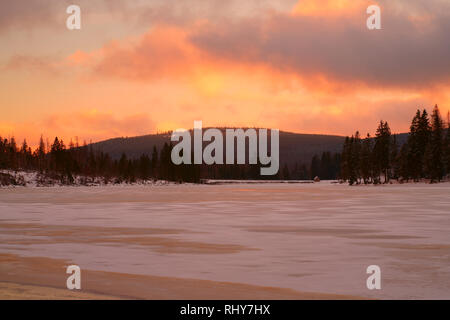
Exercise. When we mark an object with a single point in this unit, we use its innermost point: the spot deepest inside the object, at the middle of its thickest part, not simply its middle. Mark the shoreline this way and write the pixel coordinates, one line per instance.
(35, 278)
(29, 180)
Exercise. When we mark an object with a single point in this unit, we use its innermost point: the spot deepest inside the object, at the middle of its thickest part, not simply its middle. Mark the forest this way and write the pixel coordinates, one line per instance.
(424, 156)
(368, 160)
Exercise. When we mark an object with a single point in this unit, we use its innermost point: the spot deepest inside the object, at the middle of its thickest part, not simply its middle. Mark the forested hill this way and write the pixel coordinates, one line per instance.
(294, 147)
(302, 157)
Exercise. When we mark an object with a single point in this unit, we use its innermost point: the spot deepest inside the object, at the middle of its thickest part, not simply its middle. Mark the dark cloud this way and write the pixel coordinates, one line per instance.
(35, 14)
(26, 13)
(406, 52)
(412, 49)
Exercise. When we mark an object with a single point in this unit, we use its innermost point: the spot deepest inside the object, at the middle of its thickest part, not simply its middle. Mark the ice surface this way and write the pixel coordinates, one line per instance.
(310, 237)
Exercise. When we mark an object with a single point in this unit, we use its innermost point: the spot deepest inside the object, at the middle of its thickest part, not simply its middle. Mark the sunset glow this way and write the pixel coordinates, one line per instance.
(145, 67)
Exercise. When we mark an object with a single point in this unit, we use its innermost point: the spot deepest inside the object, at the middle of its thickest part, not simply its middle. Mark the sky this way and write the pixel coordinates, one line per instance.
(145, 66)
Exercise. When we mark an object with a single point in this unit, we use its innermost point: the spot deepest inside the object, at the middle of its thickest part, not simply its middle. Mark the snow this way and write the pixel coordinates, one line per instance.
(35, 179)
(316, 237)
(223, 181)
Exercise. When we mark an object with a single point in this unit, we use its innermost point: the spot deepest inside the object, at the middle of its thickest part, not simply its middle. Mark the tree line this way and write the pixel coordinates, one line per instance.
(378, 159)
(424, 155)
(63, 163)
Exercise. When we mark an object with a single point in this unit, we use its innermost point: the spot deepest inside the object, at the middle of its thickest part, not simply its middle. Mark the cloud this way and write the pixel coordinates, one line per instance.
(405, 53)
(164, 52)
(328, 43)
(158, 53)
(304, 68)
(33, 64)
(27, 14)
(35, 14)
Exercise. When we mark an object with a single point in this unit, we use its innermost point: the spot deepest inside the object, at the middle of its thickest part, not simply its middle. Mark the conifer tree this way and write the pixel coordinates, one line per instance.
(355, 171)
(3, 153)
(345, 159)
(145, 167)
(366, 159)
(418, 141)
(394, 158)
(435, 150)
(12, 151)
(352, 159)
(123, 166)
(415, 156)
(403, 163)
(315, 167)
(40, 155)
(382, 151)
(447, 146)
(154, 162)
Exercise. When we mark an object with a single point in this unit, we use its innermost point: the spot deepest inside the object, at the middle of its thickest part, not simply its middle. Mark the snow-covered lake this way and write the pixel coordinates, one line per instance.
(310, 237)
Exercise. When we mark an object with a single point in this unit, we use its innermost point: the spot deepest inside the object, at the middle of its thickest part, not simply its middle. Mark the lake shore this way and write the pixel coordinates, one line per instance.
(32, 278)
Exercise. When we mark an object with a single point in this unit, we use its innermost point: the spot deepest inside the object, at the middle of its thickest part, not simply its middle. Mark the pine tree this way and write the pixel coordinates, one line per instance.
(415, 156)
(355, 169)
(123, 167)
(382, 151)
(345, 159)
(352, 159)
(145, 167)
(166, 165)
(417, 143)
(424, 135)
(23, 155)
(336, 164)
(435, 150)
(41, 155)
(327, 166)
(315, 167)
(58, 156)
(394, 158)
(403, 163)
(447, 146)
(366, 159)
(3, 153)
(155, 162)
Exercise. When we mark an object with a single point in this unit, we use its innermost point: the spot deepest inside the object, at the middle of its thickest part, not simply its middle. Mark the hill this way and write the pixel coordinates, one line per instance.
(294, 147)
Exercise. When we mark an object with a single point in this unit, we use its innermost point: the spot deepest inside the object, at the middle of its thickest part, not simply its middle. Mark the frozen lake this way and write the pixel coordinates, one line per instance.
(309, 237)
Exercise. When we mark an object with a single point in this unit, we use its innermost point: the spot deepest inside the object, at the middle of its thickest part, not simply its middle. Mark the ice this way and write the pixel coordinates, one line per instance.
(310, 237)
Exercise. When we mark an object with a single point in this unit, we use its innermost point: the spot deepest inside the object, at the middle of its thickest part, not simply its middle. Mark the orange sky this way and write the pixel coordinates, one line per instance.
(147, 66)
